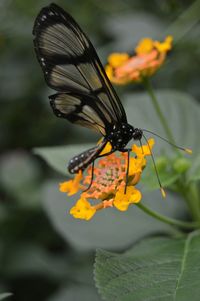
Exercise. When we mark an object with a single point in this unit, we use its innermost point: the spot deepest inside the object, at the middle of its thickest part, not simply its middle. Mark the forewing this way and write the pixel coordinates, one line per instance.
(70, 62)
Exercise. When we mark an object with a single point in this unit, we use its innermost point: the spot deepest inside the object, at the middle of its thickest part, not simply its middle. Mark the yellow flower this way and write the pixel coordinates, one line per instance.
(122, 201)
(83, 209)
(109, 182)
(150, 56)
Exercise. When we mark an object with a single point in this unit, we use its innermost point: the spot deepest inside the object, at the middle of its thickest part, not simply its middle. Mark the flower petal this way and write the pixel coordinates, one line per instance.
(83, 210)
(144, 46)
(108, 203)
(144, 150)
(164, 46)
(135, 197)
(122, 201)
(72, 186)
(117, 59)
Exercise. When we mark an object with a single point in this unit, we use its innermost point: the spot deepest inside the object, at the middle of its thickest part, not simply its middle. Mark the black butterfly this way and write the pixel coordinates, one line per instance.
(85, 95)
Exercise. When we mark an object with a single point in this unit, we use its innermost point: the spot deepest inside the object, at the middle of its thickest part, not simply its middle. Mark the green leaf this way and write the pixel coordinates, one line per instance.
(58, 156)
(5, 295)
(155, 269)
(109, 228)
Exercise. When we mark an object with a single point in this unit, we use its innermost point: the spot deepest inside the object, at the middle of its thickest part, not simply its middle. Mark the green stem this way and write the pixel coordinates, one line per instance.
(157, 108)
(195, 199)
(191, 195)
(168, 220)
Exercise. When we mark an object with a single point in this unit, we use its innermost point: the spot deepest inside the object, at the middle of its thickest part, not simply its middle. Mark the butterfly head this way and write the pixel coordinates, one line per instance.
(137, 134)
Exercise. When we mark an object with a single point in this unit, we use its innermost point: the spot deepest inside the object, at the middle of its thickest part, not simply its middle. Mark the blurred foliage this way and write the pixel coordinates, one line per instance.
(39, 259)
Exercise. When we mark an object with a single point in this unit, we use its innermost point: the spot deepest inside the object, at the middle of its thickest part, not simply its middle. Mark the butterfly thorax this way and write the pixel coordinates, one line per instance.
(120, 135)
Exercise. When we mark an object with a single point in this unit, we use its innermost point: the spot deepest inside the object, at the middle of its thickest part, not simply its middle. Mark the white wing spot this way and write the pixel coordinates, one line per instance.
(43, 17)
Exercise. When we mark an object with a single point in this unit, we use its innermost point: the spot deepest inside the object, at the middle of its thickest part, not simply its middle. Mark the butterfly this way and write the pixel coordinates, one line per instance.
(84, 95)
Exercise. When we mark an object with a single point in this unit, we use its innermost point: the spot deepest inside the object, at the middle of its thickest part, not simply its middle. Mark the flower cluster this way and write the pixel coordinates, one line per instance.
(108, 186)
(149, 56)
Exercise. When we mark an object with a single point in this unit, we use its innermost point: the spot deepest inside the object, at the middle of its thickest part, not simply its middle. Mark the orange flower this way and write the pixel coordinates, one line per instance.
(109, 182)
(149, 57)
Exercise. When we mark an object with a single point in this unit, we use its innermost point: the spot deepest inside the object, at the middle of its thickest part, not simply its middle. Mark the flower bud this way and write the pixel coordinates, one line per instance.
(181, 165)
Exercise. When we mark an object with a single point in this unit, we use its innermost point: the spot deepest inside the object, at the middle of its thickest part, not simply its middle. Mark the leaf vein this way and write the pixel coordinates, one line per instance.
(183, 261)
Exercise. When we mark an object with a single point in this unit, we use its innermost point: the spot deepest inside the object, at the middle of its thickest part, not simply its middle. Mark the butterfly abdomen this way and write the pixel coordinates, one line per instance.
(83, 160)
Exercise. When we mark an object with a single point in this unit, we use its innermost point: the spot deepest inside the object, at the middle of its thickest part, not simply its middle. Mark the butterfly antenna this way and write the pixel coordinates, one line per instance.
(127, 170)
(154, 164)
(141, 146)
(187, 150)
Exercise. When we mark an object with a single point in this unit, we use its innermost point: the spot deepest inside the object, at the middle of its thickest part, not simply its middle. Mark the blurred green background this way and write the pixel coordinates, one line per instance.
(44, 253)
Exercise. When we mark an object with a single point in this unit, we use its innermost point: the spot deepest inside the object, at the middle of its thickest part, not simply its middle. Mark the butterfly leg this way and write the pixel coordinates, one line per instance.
(106, 154)
(92, 177)
(127, 150)
(127, 169)
(92, 174)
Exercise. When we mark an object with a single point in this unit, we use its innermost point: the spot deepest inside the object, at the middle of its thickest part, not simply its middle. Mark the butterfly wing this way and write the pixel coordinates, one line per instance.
(71, 66)
(80, 109)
